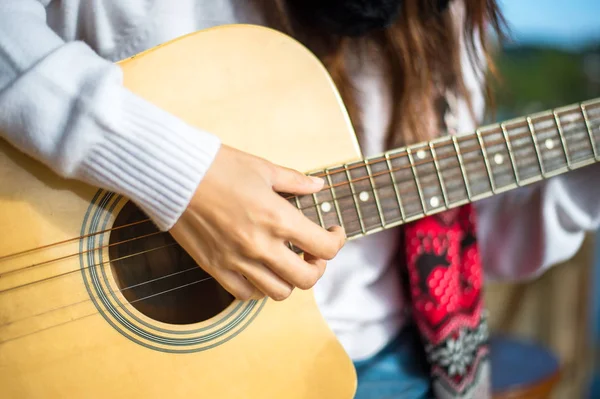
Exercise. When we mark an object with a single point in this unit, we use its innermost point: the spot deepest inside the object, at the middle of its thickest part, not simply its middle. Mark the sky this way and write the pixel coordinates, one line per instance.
(563, 23)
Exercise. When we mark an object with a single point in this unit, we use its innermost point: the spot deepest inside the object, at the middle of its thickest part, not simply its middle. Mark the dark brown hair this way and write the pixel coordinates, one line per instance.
(420, 55)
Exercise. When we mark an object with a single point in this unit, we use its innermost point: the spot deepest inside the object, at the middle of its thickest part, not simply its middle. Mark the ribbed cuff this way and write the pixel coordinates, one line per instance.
(153, 158)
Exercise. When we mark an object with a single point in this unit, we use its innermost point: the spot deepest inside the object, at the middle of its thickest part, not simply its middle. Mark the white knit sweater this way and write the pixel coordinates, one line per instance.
(62, 101)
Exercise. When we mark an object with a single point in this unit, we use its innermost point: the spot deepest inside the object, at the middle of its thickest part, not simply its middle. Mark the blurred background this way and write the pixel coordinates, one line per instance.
(552, 58)
(553, 55)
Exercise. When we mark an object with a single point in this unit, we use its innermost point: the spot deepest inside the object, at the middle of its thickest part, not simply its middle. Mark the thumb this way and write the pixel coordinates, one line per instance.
(290, 181)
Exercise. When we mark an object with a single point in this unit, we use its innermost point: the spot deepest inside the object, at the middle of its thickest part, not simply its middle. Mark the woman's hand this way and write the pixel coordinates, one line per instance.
(237, 225)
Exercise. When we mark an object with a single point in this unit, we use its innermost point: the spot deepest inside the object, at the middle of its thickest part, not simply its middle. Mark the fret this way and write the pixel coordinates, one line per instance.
(562, 139)
(474, 165)
(451, 171)
(510, 153)
(375, 195)
(495, 147)
(308, 207)
(354, 200)
(535, 146)
(395, 185)
(523, 150)
(549, 144)
(345, 200)
(427, 178)
(414, 171)
(368, 210)
(385, 191)
(588, 127)
(324, 204)
(295, 202)
(461, 163)
(486, 160)
(406, 184)
(319, 214)
(593, 113)
(576, 136)
(336, 205)
(438, 174)
(318, 208)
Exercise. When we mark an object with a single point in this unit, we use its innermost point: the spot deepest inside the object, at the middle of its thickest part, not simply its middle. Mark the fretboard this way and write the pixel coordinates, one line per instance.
(412, 182)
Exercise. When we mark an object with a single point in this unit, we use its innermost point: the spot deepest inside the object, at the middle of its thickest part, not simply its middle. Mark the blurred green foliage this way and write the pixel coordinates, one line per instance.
(536, 78)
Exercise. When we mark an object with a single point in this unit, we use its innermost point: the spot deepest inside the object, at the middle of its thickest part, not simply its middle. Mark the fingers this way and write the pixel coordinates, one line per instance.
(266, 281)
(311, 238)
(235, 284)
(278, 277)
(258, 294)
(313, 260)
(298, 272)
(301, 231)
(290, 181)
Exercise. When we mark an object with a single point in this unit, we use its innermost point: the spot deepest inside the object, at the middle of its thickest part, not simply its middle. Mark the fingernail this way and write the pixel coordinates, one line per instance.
(317, 180)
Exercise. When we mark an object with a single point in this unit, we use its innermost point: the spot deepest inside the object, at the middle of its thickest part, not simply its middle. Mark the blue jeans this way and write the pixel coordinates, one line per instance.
(398, 371)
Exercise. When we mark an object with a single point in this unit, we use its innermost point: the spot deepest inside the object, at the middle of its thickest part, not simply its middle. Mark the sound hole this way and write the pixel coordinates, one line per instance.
(157, 276)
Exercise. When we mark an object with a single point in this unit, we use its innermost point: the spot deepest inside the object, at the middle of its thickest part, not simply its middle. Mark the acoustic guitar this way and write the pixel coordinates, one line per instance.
(97, 303)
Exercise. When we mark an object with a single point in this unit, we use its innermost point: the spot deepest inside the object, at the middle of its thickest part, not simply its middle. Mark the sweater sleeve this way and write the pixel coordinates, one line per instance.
(64, 105)
(524, 232)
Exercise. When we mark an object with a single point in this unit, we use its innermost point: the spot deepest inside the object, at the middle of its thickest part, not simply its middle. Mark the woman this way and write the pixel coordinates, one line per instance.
(62, 102)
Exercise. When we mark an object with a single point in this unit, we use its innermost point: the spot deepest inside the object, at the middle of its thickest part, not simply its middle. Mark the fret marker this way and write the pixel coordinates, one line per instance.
(435, 202)
(498, 158)
(325, 207)
(549, 144)
(363, 196)
(421, 154)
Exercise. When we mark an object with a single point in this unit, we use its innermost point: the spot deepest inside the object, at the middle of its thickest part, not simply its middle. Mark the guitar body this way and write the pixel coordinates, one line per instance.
(68, 327)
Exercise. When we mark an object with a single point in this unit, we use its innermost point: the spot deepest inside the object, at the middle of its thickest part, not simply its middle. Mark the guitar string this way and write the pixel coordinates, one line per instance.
(89, 299)
(402, 153)
(64, 274)
(129, 287)
(28, 268)
(125, 288)
(129, 303)
(386, 172)
(425, 187)
(46, 262)
(95, 313)
(26, 251)
(130, 255)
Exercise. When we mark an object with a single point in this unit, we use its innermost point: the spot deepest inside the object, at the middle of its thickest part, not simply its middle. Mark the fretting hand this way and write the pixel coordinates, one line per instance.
(237, 225)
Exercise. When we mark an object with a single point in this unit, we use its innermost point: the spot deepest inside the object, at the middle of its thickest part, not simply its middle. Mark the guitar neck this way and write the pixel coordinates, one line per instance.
(412, 182)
